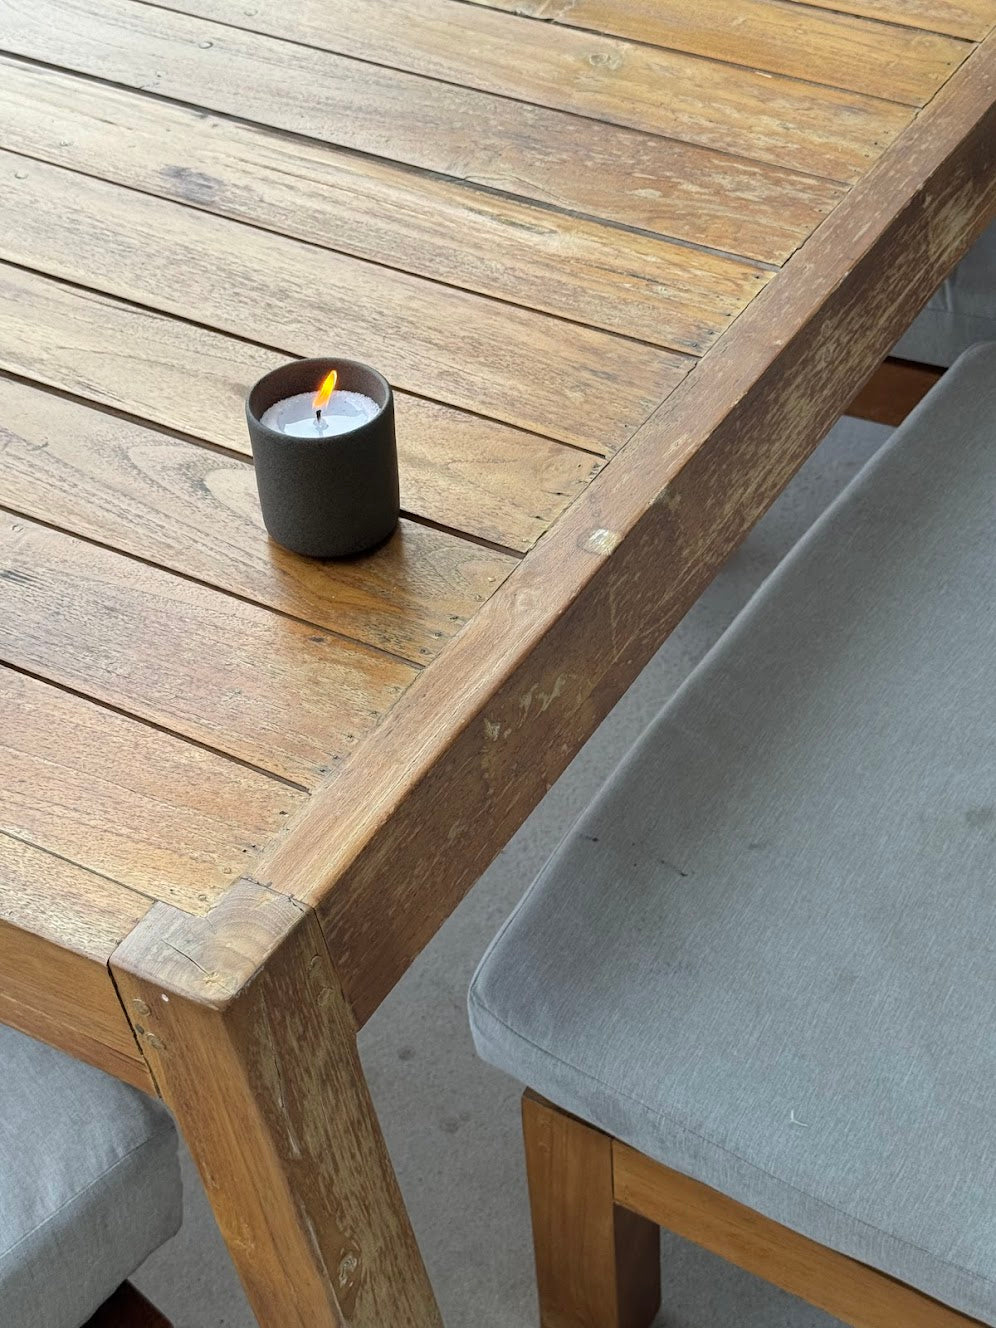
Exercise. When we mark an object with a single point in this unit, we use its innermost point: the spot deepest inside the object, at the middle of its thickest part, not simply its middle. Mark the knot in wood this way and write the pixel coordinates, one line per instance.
(349, 1266)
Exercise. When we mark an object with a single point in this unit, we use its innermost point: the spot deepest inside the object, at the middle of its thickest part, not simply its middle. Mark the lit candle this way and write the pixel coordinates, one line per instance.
(326, 461)
(322, 414)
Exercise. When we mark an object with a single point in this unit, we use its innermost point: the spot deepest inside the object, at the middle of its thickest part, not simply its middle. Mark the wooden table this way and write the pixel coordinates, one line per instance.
(625, 261)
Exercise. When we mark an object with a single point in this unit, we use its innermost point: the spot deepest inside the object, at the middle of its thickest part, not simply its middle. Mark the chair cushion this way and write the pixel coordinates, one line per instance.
(766, 954)
(960, 313)
(89, 1184)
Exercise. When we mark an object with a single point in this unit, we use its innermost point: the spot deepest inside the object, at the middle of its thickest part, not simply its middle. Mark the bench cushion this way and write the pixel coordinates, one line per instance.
(89, 1184)
(960, 313)
(766, 954)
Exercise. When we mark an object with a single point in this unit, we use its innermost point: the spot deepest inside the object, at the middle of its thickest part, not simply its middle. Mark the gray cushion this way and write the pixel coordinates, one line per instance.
(960, 313)
(89, 1184)
(766, 954)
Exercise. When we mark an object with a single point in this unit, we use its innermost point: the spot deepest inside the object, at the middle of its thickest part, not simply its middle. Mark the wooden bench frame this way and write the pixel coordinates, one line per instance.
(598, 1206)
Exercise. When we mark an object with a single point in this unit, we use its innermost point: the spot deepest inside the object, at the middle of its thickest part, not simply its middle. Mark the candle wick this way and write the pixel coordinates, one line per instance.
(318, 415)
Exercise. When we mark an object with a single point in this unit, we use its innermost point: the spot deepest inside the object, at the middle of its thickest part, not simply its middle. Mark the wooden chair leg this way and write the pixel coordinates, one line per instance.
(128, 1308)
(597, 1265)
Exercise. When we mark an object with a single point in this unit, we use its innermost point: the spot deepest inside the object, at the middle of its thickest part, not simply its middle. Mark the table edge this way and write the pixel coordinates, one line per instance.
(914, 213)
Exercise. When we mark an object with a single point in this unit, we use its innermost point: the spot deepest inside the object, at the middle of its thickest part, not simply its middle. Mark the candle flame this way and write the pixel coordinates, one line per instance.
(325, 391)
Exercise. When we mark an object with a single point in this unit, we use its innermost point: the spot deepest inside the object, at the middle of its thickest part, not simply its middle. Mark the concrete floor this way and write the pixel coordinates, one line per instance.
(451, 1122)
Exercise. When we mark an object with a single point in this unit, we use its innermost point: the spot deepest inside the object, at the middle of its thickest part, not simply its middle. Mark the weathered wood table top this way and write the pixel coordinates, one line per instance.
(624, 262)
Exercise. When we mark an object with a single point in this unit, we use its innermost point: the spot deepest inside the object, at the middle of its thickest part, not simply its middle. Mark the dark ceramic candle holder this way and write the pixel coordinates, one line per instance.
(326, 497)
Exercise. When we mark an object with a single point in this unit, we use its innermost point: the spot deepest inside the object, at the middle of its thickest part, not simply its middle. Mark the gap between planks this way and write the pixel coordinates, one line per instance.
(662, 291)
(193, 659)
(36, 519)
(232, 453)
(829, 48)
(473, 189)
(155, 726)
(953, 18)
(175, 821)
(703, 194)
(71, 862)
(238, 276)
(474, 475)
(186, 320)
(189, 509)
(752, 113)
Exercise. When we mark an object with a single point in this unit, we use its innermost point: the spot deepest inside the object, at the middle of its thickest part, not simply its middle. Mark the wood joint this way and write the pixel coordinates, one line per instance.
(208, 959)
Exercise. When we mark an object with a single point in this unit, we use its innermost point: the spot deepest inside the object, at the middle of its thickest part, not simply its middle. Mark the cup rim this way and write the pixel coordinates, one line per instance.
(314, 368)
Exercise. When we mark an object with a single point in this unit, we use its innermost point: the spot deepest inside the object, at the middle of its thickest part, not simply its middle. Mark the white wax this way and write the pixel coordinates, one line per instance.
(296, 415)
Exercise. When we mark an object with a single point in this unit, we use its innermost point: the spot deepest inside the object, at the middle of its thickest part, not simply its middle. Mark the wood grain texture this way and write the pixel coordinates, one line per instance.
(961, 18)
(58, 927)
(260, 1067)
(40, 1021)
(850, 1291)
(658, 184)
(447, 344)
(597, 1264)
(127, 1308)
(544, 660)
(73, 909)
(123, 800)
(248, 682)
(463, 471)
(191, 510)
(836, 49)
(766, 118)
(638, 285)
(895, 388)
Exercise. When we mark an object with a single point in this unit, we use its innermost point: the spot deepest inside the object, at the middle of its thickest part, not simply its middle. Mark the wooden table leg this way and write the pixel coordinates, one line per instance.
(253, 1047)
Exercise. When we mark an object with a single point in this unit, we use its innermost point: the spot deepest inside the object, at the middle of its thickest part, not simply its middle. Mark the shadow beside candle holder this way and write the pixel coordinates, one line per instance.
(326, 497)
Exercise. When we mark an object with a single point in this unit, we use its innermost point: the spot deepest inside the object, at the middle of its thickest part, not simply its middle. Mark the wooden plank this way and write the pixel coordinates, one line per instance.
(259, 1064)
(475, 475)
(849, 1290)
(76, 910)
(194, 511)
(639, 285)
(839, 50)
(895, 388)
(127, 801)
(596, 1262)
(802, 126)
(546, 657)
(266, 689)
(656, 184)
(477, 49)
(960, 18)
(515, 365)
(58, 927)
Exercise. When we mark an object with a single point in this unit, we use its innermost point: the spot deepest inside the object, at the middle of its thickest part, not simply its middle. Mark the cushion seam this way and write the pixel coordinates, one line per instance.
(664, 1116)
